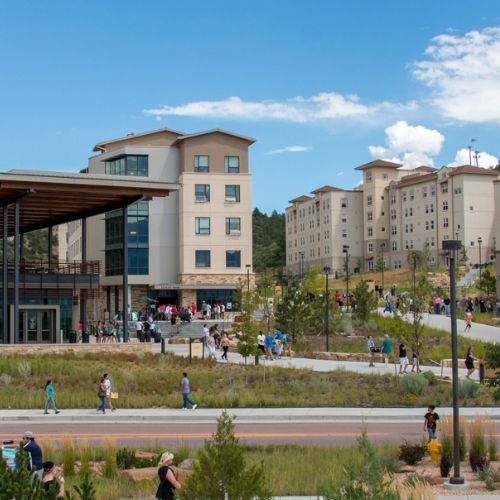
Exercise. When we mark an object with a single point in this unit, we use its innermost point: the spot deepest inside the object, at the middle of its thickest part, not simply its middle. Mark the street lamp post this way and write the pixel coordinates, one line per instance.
(248, 266)
(302, 255)
(479, 241)
(453, 246)
(327, 303)
(345, 249)
(382, 248)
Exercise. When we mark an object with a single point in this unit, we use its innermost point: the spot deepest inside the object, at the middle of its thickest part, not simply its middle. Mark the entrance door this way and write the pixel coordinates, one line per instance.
(36, 326)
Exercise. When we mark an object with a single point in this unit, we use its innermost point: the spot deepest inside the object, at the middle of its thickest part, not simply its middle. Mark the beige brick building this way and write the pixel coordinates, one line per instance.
(396, 210)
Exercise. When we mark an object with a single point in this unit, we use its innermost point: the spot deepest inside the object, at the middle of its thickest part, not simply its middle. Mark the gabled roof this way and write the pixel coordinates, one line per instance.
(470, 169)
(416, 179)
(101, 145)
(380, 164)
(250, 140)
(425, 168)
(326, 189)
(300, 199)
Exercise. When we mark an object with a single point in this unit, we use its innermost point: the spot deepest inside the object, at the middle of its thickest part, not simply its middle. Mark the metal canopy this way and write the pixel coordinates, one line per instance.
(52, 198)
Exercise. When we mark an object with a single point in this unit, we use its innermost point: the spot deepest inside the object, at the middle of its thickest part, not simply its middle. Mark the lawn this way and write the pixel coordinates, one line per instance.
(152, 381)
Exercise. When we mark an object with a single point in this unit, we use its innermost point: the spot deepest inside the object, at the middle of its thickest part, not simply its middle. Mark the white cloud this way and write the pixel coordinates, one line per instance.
(464, 75)
(289, 149)
(485, 160)
(322, 106)
(410, 145)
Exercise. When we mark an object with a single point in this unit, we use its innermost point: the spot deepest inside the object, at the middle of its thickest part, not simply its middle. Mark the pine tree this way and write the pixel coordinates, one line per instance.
(222, 471)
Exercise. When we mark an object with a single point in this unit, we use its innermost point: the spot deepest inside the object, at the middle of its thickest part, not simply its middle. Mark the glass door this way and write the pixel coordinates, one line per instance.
(36, 326)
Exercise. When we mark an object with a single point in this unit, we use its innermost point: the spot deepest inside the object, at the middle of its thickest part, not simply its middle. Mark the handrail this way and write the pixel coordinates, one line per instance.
(70, 268)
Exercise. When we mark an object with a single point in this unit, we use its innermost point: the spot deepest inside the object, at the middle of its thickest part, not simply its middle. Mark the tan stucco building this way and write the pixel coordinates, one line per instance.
(193, 246)
(395, 210)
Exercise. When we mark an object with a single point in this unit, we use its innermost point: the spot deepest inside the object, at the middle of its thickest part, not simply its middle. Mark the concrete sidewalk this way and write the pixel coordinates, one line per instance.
(246, 415)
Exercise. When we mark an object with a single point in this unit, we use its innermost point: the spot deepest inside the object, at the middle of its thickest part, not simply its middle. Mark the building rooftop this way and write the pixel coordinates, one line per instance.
(379, 164)
(416, 179)
(326, 189)
(250, 140)
(300, 199)
(470, 169)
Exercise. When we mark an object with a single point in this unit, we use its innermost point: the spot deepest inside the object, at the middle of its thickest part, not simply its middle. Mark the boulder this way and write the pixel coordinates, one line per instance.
(146, 473)
(146, 455)
(406, 468)
(435, 480)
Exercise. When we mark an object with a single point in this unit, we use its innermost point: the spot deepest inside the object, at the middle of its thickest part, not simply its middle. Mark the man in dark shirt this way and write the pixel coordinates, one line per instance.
(430, 422)
(34, 453)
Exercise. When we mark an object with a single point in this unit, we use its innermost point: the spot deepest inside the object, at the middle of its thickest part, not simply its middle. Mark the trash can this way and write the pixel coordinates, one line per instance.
(256, 359)
(157, 337)
(72, 337)
(85, 338)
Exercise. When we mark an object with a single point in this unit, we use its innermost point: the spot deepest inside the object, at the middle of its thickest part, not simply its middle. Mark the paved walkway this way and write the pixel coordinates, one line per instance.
(479, 331)
(246, 415)
(317, 365)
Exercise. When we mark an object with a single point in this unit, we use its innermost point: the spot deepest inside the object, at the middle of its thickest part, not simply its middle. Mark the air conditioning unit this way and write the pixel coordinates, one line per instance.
(231, 198)
(201, 198)
(234, 232)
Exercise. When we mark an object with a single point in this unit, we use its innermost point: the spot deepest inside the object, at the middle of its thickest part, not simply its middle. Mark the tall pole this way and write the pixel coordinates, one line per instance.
(248, 277)
(125, 272)
(479, 241)
(456, 479)
(383, 264)
(327, 303)
(348, 301)
(301, 266)
(5, 276)
(16, 271)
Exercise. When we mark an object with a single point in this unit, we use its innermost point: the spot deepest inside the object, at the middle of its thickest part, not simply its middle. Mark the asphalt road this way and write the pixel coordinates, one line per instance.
(194, 433)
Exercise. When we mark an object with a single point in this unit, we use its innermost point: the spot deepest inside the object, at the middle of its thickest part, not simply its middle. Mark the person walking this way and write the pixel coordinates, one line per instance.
(371, 349)
(185, 393)
(50, 398)
(261, 342)
(107, 385)
(469, 362)
(468, 321)
(403, 359)
(168, 482)
(430, 422)
(101, 393)
(269, 346)
(225, 345)
(386, 349)
(35, 455)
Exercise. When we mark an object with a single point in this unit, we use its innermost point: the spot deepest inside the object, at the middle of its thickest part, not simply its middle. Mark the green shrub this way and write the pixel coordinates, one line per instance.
(411, 454)
(413, 384)
(125, 458)
(477, 444)
(24, 368)
(430, 377)
(467, 388)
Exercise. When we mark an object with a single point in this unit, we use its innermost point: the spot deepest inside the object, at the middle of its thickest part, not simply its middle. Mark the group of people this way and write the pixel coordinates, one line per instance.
(215, 340)
(386, 350)
(345, 301)
(274, 345)
(105, 331)
(147, 329)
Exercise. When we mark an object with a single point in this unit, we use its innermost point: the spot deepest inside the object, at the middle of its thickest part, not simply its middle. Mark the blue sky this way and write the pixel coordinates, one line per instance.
(323, 86)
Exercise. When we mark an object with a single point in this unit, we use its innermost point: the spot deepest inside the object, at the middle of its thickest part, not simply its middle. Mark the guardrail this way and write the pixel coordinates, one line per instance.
(70, 268)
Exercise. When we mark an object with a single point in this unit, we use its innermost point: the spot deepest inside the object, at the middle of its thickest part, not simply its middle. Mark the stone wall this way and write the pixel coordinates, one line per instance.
(41, 349)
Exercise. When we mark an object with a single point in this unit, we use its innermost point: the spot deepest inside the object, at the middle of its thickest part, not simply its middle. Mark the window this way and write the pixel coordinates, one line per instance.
(406, 212)
(445, 206)
(471, 208)
(232, 164)
(369, 215)
(233, 258)
(385, 177)
(343, 218)
(457, 191)
(370, 247)
(472, 243)
(433, 190)
(412, 195)
(445, 222)
(393, 215)
(233, 226)
(369, 200)
(368, 176)
(394, 246)
(202, 225)
(202, 258)
(135, 165)
(406, 228)
(343, 203)
(426, 225)
(432, 224)
(404, 195)
(407, 245)
(394, 230)
(201, 163)
(431, 207)
(444, 187)
(393, 199)
(233, 193)
(411, 228)
(369, 232)
(344, 233)
(424, 192)
(202, 193)
(411, 212)
(433, 241)
(426, 209)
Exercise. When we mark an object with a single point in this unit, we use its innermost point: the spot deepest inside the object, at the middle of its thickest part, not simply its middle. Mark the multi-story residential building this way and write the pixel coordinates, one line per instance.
(193, 246)
(415, 209)
(321, 229)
